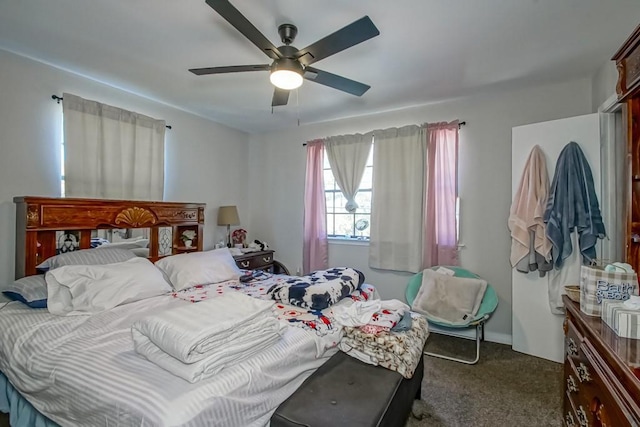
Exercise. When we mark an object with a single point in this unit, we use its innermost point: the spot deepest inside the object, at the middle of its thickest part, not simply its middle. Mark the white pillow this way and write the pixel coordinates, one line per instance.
(199, 268)
(448, 299)
(126, 244)
(86, 289)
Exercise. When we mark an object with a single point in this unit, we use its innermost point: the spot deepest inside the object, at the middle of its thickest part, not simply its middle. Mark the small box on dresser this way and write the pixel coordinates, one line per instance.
(624, 321)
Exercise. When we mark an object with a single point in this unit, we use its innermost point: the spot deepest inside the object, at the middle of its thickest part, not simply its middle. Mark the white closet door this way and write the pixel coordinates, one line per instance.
(536, 331)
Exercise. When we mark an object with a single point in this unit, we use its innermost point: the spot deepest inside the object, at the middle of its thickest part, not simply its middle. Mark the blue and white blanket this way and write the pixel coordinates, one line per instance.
(319, 289)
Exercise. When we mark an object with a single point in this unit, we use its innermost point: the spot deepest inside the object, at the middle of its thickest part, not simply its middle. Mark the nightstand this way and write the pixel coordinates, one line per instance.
(260, 260)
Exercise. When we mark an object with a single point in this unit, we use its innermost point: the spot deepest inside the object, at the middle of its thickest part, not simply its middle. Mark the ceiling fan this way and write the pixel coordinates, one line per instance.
(291, 65)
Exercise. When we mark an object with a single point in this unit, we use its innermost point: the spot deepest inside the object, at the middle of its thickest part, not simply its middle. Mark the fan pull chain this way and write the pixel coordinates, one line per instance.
(298, 107)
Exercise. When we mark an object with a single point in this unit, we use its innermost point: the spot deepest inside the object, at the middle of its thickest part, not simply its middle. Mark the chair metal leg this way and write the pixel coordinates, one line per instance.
(479, 337)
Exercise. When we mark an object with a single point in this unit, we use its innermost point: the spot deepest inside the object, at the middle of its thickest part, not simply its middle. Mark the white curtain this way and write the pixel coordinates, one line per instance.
(111, 153)
(398, 199)
(347, 156)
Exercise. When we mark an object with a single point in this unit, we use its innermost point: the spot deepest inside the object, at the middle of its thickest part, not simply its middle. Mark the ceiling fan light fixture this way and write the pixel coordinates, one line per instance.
(286, 74)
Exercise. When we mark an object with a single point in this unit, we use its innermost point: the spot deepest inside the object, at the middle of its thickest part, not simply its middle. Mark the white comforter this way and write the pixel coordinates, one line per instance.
(198, 340)
(83, 371)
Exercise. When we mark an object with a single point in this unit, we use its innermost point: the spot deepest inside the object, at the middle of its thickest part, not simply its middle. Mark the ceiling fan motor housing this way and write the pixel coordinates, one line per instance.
(287, 33)
(287, 64)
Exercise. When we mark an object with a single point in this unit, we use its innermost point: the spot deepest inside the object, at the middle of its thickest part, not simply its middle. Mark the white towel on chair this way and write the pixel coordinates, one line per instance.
(447, 299)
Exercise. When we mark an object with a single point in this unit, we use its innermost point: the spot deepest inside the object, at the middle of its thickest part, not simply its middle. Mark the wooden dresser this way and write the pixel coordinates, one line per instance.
(628, 89)
(602, 373)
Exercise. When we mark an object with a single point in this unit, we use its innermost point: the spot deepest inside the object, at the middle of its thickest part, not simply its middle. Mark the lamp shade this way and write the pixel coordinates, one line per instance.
(286, 74)
(228, 215)
(285, 79)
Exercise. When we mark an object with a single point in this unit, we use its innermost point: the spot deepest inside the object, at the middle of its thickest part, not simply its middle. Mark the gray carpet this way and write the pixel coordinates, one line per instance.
(505, 388)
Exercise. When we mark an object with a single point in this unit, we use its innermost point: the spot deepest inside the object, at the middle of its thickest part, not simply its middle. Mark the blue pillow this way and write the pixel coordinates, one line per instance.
(30, 290)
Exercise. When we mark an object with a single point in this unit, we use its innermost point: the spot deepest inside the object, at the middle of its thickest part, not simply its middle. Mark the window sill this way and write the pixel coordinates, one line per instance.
(348, 242)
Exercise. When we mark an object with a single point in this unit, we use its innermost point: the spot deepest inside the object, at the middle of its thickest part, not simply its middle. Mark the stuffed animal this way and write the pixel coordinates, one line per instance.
(262, 245)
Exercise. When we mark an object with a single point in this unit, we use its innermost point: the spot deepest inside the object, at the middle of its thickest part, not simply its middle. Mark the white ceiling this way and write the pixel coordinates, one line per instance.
(427, 50)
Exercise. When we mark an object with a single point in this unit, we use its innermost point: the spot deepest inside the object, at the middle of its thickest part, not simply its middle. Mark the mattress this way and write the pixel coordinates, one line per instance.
(83, 371)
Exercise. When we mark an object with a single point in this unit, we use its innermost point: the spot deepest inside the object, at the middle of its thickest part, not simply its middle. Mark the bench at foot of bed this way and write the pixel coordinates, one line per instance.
(347, 392)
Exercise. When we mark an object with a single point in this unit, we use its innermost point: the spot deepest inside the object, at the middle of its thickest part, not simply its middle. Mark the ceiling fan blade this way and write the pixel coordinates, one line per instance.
(354, 33)
(242, 24)
(335, 81)
(229, 69)
(280, 97)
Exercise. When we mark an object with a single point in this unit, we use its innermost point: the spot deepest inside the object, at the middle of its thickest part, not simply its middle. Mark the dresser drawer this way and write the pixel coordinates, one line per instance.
(597, 390)
(572, 341)
(257, 261)
(576, 403)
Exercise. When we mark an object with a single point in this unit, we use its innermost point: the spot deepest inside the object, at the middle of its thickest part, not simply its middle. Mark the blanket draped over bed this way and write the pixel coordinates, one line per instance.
(198, 340)
(319, 289)
(398, 351)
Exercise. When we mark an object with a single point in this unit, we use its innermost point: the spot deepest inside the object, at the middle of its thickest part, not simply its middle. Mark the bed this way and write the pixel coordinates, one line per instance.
(83, 370)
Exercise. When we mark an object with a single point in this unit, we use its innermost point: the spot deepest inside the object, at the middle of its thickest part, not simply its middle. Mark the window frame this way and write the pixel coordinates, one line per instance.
(331, 216)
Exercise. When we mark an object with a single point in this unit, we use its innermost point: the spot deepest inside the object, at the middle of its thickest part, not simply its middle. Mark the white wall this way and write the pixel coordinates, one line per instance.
(203, 159)
(277, 165)
(603, 84)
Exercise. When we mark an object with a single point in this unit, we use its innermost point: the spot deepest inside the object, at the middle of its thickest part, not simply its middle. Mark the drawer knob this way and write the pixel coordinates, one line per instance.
(266, 259)
(583, 373)
(572, 386)
(569, 420)
(599, 412)
(572, 347)
(244, 264)
(582, 416)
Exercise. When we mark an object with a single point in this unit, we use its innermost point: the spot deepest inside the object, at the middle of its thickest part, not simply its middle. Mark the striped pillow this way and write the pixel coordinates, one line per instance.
(87, 257)
(30, 290)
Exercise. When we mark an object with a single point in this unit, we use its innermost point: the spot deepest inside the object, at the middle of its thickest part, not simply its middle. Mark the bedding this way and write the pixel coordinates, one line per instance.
(199, 268)
(397, 351)
(136, 243)
(320, 323)
(85, 289)
(30, 290)
(86, 257)
(64, 357)
(197, 341)
(319, 289)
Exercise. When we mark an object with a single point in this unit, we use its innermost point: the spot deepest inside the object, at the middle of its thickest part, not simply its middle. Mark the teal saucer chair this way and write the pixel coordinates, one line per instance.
(487, 307)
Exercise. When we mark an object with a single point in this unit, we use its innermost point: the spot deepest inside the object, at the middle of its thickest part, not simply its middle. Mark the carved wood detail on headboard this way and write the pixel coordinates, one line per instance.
(135, 217)
(39, 218)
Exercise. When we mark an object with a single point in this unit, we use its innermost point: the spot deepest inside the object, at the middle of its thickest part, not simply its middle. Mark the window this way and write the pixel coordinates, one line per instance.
(340, 223)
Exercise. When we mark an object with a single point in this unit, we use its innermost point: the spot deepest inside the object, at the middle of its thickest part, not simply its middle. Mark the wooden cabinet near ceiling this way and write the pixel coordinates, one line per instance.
(601, 373)
(628, 89)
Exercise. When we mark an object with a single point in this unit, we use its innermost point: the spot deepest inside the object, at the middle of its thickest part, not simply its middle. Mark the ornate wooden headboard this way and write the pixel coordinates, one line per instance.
(40, 221)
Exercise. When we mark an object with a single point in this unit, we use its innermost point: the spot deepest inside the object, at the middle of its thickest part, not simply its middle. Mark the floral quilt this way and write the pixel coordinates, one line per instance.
(320, 322)
(398, 351)
(319, 289)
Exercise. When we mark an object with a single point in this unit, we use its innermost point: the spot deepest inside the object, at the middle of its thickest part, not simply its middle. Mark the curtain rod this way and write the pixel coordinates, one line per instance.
(59, 98)
(459, 126)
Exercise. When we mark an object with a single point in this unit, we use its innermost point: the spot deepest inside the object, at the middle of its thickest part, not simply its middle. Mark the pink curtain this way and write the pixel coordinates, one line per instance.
(315, 247)
(440, 223)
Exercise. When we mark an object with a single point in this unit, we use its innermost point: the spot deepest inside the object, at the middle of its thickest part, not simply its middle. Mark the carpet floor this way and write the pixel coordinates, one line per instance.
(505, 388)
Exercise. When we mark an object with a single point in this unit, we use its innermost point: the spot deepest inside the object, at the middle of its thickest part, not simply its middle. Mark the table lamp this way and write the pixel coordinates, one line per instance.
(228, 215)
